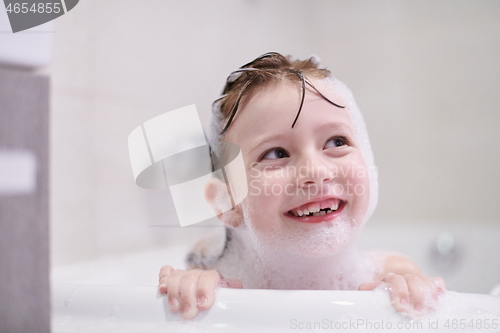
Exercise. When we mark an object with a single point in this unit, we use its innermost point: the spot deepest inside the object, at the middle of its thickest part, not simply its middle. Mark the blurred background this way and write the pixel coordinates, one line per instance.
(425, 74)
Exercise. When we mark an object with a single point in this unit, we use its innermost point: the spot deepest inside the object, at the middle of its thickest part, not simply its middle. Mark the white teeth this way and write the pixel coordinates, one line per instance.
(314, 208)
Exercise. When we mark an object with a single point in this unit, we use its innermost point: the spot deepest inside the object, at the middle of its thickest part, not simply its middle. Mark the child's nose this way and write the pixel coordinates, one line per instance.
(314, 171)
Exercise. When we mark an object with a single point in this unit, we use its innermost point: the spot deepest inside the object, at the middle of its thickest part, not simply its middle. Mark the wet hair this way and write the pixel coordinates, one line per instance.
(270, 68)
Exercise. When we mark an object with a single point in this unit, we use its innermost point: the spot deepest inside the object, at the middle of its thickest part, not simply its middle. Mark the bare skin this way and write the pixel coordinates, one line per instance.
(192, 291)
(407, 285)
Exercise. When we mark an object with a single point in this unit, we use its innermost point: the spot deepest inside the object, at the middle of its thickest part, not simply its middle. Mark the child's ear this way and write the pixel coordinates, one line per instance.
(216, 194)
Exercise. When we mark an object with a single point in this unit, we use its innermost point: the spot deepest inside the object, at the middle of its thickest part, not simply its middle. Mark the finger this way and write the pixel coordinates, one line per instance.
(207, 284)
(234, 283)
(400, 296)
(173, 291)
(441, 285)
(416, 287)
(188, 301)
(369, 285)
(431, 286)
(162, 285)
(165, 271)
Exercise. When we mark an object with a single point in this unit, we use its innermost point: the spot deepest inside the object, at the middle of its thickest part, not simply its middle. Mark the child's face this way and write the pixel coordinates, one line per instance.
(315, 167)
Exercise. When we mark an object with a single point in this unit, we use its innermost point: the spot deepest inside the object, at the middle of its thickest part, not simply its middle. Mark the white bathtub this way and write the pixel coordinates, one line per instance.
(91, 308)
(118, 294)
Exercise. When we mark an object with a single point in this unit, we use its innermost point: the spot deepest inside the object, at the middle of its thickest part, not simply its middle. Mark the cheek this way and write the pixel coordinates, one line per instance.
(267, 186)
(361, 187)
(263, 202)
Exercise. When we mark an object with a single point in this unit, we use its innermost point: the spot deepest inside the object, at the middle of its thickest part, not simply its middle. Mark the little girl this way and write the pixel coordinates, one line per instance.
(312, 187)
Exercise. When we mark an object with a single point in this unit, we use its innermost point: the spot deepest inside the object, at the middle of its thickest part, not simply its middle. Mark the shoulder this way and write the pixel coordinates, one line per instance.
(392, 262)
(208, 250)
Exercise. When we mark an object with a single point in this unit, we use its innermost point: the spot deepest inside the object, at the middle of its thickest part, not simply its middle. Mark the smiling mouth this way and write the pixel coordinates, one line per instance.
(325, 207)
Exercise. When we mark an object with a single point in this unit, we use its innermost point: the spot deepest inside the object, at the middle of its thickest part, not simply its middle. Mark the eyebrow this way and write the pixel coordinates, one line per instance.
(266, 140)
(340, 125)
(280, 136)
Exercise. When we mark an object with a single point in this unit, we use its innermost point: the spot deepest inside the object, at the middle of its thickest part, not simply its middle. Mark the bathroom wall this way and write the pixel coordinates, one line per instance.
(424, 73)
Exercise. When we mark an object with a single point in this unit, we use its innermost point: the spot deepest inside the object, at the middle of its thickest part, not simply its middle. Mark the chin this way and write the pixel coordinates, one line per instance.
(325, 248)
(321, 241)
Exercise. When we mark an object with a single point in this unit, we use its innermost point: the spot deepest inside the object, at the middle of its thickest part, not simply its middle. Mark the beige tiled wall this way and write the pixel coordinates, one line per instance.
(425, 74)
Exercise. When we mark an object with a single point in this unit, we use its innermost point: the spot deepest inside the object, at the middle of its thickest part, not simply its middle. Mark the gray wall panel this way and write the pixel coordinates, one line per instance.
(24, 219)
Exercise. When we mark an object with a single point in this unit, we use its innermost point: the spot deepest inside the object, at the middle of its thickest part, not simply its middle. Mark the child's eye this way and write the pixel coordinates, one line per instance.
(275, 153)
(336, 141)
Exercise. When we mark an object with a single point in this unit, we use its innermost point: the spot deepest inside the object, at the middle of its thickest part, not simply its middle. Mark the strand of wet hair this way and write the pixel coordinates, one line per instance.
(235, 106)
(303, 81)
(265, 55)
(323, 96)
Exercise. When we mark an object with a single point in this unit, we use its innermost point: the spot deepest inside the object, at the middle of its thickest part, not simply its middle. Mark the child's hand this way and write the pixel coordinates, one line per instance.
(411, 294)
(193, 290)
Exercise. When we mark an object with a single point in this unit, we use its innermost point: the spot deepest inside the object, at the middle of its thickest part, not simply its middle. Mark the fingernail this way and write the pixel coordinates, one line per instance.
(202, 301)
(418, 308)
(187, 308)
(403, 301)
(223, 284)
(163, 286)
(174, 303)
